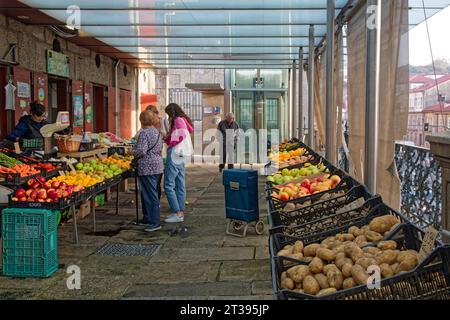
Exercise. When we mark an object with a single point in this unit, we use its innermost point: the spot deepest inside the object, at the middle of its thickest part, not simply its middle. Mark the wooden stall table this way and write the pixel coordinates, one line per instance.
(82, 155)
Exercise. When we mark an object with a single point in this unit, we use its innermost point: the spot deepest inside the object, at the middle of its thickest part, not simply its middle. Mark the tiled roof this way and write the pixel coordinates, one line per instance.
(444, 107)
(431, 84)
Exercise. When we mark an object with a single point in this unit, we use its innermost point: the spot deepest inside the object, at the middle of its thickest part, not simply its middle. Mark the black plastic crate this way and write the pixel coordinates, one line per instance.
(14, 179)
(316, 231)
(346, 184)
(324, 206)
(60, 205)
(429, 280)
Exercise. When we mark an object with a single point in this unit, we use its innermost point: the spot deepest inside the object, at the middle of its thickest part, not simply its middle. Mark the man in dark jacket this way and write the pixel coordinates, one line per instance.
(233, 128)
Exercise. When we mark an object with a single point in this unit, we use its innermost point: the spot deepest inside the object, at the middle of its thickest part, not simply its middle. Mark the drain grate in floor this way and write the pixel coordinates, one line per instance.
(128, 250)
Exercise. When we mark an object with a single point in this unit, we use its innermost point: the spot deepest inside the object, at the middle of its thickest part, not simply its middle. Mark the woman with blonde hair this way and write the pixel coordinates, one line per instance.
(150, 167)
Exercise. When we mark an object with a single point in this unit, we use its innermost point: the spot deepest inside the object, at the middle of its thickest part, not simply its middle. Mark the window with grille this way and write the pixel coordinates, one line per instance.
(190, 101)
(246, 113)
(272, 113)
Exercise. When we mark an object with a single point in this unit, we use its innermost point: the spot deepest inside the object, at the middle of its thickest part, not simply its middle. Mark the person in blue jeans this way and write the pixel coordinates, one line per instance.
(148, 151)
(174, 177)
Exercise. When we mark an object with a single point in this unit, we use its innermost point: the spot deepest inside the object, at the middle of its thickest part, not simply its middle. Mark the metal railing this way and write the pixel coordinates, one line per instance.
(421, 179)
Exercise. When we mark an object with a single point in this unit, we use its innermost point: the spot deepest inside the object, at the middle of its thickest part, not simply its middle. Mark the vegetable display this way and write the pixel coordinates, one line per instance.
(341, 261)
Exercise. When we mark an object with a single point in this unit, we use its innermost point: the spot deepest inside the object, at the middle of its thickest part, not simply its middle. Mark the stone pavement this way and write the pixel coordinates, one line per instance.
(208, 264)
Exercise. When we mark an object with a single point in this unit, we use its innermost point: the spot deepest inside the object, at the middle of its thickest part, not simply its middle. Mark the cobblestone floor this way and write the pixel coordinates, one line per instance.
(208, 264)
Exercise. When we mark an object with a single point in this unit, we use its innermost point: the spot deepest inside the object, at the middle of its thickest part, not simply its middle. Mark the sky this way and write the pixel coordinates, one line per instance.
(439, 25)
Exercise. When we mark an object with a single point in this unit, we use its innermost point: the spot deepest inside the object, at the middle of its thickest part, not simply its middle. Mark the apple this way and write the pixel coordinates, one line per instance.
(34, 194)
(30, 182)
(63, 186)
(42, 194)
(70, 189)
(28, 192)
(51, 189)
(41, 180)
(47, 185)
(53, 195)
(36, 185)
(15, 199)
(55, 184)
(335, 179)
(48, 200)
(23, 199)
(20, 193)
(284, 196)
(65, 194)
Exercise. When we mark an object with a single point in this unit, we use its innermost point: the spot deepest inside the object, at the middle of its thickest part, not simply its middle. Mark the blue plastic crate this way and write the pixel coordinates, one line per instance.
(29, 242)
(241, 194)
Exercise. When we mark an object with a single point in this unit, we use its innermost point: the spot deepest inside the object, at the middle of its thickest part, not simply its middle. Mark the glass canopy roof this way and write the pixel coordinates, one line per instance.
(177, 33)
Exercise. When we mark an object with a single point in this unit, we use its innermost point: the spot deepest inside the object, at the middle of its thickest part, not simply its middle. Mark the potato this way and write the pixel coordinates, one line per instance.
(339, 248)
(298, 256)
(349, 237)
(284, 253)
(307, 259)
(326, 254)
(340, 263)
(299, 290)
(326, 292)
(310, 250)
(335, 278)
(348, 283)
(322, 280)
(364, 244)
(310, 285)
(299, 285)
(406, 254)
(298, 247)
(371, 250)
(386, 271)
(352, 230)
(356, 253)
(347, 269)
(334, 244)
(394, 266)
(349, 248)
(329, 267)
(365, 228)
(386, 245)
(340, 255)
(298, 273)
(288, 247)
(387, 256)
(340, 237)
(316, 265)
(407, 261)
(288, 284)
(360, 239)
(373, 236)
(366, 262)
(359, 275)
(383, 224)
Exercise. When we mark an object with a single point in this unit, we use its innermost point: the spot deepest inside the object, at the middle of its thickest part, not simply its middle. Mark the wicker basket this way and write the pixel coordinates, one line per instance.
(68, 144)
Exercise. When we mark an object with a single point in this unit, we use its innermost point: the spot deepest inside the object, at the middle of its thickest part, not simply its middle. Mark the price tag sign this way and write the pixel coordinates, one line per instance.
(61, 173)
(72, 168)
(428, 243)
(17, 147)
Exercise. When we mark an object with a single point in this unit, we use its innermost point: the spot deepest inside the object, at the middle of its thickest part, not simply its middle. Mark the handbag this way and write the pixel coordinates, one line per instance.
(185, 148)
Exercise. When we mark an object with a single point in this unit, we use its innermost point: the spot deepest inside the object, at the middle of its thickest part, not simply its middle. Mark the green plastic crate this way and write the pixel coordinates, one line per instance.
(29, 242)
(100, 200)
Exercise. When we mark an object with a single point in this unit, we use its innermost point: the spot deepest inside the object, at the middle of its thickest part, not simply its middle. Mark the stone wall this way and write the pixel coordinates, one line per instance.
(33, 41)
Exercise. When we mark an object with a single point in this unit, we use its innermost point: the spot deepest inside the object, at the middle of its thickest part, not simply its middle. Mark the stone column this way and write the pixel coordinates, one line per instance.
(440, 148)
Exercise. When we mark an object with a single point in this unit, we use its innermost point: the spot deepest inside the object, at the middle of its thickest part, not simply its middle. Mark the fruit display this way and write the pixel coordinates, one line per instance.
(124, 162)
(78, 178)
(288, 145)
(101, 169)
(341, 261)
(307, 187)
(286, 175)
(41, 190)
(285, 156)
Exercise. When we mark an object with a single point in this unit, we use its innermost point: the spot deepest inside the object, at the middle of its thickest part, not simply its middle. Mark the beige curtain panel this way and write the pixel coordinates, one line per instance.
(393, 113)
(319, 102)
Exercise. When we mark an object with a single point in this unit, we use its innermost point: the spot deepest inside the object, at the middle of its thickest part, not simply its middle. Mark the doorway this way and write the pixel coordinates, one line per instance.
(57, 98)
(3, 116)
(100, 109)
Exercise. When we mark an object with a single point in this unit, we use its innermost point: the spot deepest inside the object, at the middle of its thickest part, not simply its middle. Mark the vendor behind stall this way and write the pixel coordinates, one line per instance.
(29, 125)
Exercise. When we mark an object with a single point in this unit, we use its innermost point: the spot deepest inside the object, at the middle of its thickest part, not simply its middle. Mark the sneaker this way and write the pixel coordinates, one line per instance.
(174, 219)
(152, 228)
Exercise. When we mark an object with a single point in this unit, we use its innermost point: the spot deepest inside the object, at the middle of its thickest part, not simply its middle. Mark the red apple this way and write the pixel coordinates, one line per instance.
(51, 189)
(65, 194)
(55, 184)
(30, 182)
(29, 199)
(47, 185)
(41, 180)
(36, 185)
(23, 199)
(48, 200)
(42, 194)
(28, 192)
(33, 195)
(284, 196)
(20, 193)
(53, 195)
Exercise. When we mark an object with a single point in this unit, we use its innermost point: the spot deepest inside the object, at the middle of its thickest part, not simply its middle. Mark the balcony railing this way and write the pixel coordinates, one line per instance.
(420, 177)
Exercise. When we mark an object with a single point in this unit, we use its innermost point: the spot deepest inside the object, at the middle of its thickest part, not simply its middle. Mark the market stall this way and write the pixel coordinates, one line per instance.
(330, 238)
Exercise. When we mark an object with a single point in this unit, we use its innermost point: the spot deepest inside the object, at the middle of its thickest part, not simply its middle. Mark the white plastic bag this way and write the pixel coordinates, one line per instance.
(184, 150)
